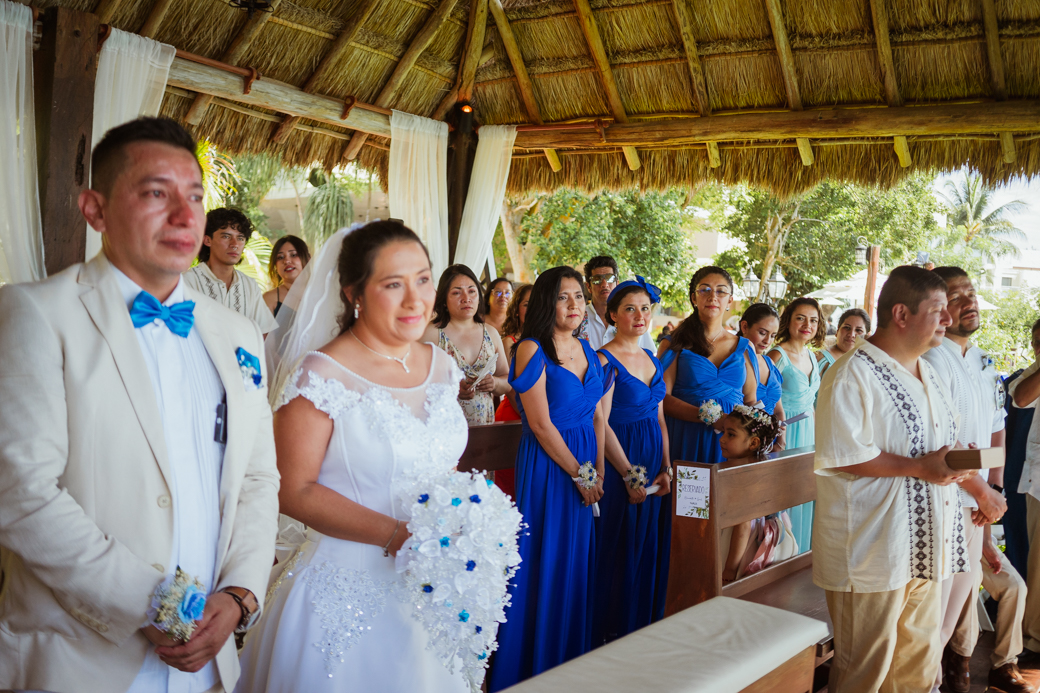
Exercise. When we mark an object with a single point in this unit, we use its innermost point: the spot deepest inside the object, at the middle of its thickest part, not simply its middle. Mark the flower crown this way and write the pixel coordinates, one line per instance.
(758, 422)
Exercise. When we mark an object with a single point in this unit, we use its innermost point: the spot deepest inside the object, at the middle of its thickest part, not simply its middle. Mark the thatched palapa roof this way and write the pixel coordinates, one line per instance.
(779, 93)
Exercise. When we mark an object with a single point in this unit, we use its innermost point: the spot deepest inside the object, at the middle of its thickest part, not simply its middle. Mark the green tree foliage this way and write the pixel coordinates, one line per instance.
(1005, 332)
(977, 232)
(824, 225)
(255, 175)
(218, 174)
(642, 231)
(330, 206)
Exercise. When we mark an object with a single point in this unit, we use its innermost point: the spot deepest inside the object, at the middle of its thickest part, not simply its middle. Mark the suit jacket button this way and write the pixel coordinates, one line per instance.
(164, 501)
(159, 567)
(102, 628)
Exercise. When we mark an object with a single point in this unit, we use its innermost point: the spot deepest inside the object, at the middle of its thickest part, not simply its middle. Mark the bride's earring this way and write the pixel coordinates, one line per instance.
(356, 306)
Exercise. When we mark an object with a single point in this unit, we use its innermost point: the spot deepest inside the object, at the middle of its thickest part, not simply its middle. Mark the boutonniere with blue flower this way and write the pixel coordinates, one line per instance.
(178, 604)
(249, 366)
(987, 361)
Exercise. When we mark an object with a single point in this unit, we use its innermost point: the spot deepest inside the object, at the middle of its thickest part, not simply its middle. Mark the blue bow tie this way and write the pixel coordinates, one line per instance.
(178, 317)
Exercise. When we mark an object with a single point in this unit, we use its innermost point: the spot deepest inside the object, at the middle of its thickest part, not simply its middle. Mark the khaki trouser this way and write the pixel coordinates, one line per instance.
(960, 617)
(1009, 589)
(1031, 622)
(886, 641)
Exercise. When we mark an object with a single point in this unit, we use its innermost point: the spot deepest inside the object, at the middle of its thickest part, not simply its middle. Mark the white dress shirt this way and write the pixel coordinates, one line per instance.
(243, 296)
(600, 333)
(875, 534)
(1030, 482)
(977, 396)
(188, 390)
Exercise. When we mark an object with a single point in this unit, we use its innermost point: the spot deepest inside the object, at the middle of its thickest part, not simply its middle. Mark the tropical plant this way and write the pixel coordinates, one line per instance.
(218, 174)
(330, 206)
(1004, 333)
(256, 258)
(985, 230)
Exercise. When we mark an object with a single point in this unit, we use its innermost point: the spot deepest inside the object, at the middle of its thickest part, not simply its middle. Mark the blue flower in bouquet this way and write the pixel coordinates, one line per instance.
(424, 498)
(192, 605)
(463, 615)
(474, 498)
(456, 502)
(445, 542)
(471, 565)
(427, 588)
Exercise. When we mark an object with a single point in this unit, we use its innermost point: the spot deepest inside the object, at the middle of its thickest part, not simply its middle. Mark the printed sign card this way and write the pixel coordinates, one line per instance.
(693, 490)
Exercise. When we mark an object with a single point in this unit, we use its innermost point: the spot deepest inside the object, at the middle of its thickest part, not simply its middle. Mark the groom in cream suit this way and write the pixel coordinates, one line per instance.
(131, 443)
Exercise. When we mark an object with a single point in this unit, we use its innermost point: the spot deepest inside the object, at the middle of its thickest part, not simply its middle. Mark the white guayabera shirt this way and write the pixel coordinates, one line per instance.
(876, 534)
(243, 296)
(1030, 483)
(977, 395)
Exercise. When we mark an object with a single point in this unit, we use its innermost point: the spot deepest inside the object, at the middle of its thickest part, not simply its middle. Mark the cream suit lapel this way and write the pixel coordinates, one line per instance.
(107, 308)
(222, 354)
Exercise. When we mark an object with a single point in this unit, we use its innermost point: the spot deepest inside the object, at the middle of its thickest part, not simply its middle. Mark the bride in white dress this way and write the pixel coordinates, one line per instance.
(357, 418)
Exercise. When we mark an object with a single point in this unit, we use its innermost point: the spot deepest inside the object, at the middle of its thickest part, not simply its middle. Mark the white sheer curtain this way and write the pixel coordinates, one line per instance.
(21, 237)
(131, 79)
(418, 181)
(487, 188)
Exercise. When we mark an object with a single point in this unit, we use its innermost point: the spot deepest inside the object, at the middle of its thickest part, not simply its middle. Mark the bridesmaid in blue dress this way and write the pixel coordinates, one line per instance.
(759, 325)
(629, 583)
(705, 362)
(559, 383)
(801, 325)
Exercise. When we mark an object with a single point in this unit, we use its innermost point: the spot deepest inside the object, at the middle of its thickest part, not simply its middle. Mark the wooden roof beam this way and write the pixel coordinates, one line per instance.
(421, 41)
(523, 79)
(334, 53)
(232, 56)
(685, 18)
(787, 68)
(606, 74)
(155, 18)
(996, 61)
(106, 10)
(472, 57)
(888, 73)
(970, 119)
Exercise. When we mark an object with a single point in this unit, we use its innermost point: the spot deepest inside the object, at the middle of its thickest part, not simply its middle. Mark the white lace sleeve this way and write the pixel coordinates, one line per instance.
(315, 380)
(445, 370)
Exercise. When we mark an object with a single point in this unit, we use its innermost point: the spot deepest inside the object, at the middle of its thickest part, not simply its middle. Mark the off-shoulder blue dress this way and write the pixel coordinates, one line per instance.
(769, 394)
(631, 553)
(550, 618)
(697, 380)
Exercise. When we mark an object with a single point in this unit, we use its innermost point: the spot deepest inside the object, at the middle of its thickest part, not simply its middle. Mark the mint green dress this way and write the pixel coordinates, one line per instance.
(799, 395)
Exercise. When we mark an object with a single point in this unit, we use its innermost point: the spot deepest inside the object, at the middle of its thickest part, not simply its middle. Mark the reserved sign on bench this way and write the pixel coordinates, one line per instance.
(693, 492)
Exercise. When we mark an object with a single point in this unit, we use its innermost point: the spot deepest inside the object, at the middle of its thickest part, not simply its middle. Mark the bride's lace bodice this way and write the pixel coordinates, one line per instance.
(382, 434)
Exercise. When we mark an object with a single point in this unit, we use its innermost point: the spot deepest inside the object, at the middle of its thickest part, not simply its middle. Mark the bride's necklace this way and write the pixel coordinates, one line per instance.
(401, 360)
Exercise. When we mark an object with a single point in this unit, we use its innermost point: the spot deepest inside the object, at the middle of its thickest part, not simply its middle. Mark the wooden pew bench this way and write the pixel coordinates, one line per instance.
(721, 646)
(738, 491)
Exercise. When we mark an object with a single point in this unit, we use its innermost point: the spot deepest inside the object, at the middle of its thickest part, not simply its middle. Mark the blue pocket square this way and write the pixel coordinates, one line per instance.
(249, 365)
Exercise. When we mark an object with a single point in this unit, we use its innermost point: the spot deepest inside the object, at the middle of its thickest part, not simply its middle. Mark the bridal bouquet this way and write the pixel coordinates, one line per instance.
(457, 565)
(710, 412)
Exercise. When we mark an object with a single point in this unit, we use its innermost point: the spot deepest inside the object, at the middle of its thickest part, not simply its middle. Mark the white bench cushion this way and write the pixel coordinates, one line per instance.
(720, 646)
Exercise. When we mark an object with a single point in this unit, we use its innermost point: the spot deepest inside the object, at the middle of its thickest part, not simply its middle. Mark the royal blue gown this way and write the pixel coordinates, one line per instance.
(553, 593)
(696, 381)
(631, 553)
(768, 394)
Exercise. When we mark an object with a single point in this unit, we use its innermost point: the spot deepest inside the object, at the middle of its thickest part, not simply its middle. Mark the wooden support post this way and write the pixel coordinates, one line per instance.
(902, 151)
(1007, 147)
(462, 148)
(714, 160)
(232, 56)
(805, 151)
(478, 16)
(523, 80)
(64, 72)
(421, 41)
(996, 61)
(605, 73)
(155, 18)
(873, 264)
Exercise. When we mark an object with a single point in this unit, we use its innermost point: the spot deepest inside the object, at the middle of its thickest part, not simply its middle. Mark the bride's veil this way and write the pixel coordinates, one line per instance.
(309, 316)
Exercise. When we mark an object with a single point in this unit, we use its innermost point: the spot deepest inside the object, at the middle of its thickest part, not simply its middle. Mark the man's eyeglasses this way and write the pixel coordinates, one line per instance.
(500, 294)
(706, 291)
(603, 279)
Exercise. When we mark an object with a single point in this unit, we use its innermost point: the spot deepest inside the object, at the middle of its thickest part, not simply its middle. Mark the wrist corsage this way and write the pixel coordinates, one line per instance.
(178, 603)
(710, 412)
(636, 477)
(587, 476)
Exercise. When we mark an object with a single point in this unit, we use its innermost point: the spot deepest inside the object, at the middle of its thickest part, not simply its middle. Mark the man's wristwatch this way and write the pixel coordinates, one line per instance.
(998, 488)
(247, 603)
